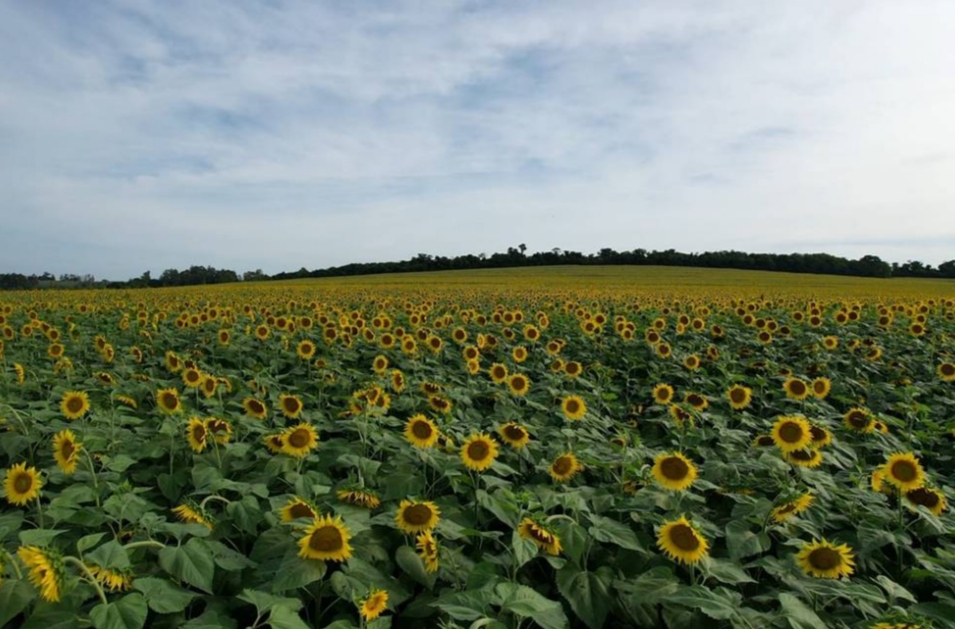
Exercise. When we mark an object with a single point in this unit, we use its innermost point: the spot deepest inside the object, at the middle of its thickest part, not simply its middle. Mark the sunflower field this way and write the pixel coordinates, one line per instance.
(472, 451)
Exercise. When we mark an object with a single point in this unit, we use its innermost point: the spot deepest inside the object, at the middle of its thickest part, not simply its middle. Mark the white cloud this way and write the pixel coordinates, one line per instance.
(289, 134)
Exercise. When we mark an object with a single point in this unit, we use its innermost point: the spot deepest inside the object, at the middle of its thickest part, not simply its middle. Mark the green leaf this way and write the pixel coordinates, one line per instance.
(573, 539)
(162, 596)
(798, 614)
(524, 549)
(409, 561)
(607, 530)
(88, 541)
(128, 612)
(894, 590)
(296, 572)
(47, 618)
(283, 617)
(703, 599)
(38, 537)
(741, 542)
(529, 603)
(264, 601)
(110, 555)
(15, 596)
(725, 571)
(650, 587)
(246, 514)
(228, 559)
(192, 562)
(587, 593)
(210, 619)
(119, 463)
(468, 605)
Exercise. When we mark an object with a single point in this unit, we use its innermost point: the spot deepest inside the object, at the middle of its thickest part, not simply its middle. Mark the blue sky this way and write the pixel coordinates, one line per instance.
(142, 135)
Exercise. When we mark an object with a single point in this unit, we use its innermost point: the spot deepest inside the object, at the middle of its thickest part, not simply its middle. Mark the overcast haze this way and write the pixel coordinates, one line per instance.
(277, 135)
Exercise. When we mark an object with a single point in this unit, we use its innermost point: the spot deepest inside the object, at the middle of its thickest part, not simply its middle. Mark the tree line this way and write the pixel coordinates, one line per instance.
(819, 263)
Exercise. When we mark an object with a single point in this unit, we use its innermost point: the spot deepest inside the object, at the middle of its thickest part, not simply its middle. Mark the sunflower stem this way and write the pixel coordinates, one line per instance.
(89, 577)
(89, 460)
(39, 511)
(202, 505)
(11, 562)
(149, 543)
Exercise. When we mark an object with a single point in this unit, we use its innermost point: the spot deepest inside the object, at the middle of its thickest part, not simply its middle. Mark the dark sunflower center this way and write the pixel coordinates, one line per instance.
(858, 420)
(326, 539)
(572, 406)
(694, 400)
(299, 438)
(417, 515)
(797, 388)
(478, 450)
(563, 465)
(572, 368)
(514, 433)
(192, 376)
(904, 471)
(291, 405)
(301, 510)
(819, 387)
(674, 468)
(789, 507)
(421, 430)
(23, 483)
(924, 497)
(825, 559)
(684, 538)
(802, 455)
(765, 440)
(74, 404)
(519, 383)
(169, 400)
(255, 406)
(791, 432)
(199, 433)
(67, 450)
(948, 369)
(738, 396)
(818, 434)
(539, 534)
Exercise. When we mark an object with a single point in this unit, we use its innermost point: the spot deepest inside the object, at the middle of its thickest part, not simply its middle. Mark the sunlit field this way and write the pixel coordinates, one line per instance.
(555, 447)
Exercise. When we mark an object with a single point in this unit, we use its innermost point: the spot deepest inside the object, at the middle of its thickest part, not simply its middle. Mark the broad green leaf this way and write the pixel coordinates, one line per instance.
(284, 617)
(15, 596)
(211, 619)
(51, 618)
(409, 561)
(725, 571)
(264, 601)
(110, 555)
(742, 542)
(38, 537)
(798, 614)
(607, 530)
(587, 593)
(296, 572)
(529, 603)
(468, 605)
(703, 599)
(162, 596)
(88, 541)
(191, 562)
(128, 612)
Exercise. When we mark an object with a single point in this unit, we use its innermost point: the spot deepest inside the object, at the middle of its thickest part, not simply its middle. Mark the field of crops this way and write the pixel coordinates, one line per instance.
(551, 448)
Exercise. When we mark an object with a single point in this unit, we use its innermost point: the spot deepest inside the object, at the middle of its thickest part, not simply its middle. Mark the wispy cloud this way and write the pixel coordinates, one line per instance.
(144, 135)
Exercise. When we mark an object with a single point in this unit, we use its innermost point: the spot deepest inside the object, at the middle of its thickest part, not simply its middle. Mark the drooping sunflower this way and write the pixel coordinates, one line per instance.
(518, 384)
(796, 388)
(791, 433)
(821, 387)
(428, 550)
(824, 560)
(297, 508)
(931, 499)
(65, 450)
(299, 440)
(20, 371)
(478, 452)
(196, 434)
(859, 420)
(326, 540)
(168, 401)
(564, 467)
(739, 396)
(112, 580)
(219, 429)
(663, 394)
(440, 404)
(680, 541)
(74, 404)
(22, 484)
(946, 371)
(537, 532)
(397, 381)
(291, 405)
(794, 507)
(574, 407)
(421, 432)
(674, 471)
(808, 457)
(415, 517)
(514, 435)
(697, 401)
(359, 497)
(255, 408)
(374, 604)
(192, 515)
(904, 471)
(45, 571)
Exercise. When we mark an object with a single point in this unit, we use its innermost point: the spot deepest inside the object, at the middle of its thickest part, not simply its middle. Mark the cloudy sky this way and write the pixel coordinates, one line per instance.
(141, 135)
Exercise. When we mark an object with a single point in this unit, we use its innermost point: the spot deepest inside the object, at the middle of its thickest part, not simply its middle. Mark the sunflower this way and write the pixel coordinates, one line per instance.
(763, 441)
(739, 396)
(692, 362)
(112, 580)
(796, 389)
(46, 571)
(74, 404)
(697, 401)
(255, 408)
(536, 532)
(514, 435)
(904, 471)
(379, 365)
(682, 542)
(21, 373)
(825, 560)
(791, 433)
(415, 517)
(573, 368)
(65, 449)
(359, 497)
(274, 443)
(421, 432)
(428, 550)
(291, 405)
(674, 471)
(663, 394)
(297, 508)
(821, 387)
(191, 515)
(931, 499)
(519, 384)
(663, 350)
(810, 458)
(397, 381)
(326, 540)
(574, 407)
(820, 436)
(196, 434)
(22, 484)
(299, 440)
(519, 354)
(440, 404)
(219, 429)
(564, 467)
(191, 377)
(374, 604)
(946, 371)
(478, 452)
(830, 342)
(795, 507)
(859, 420)
(168, 401)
